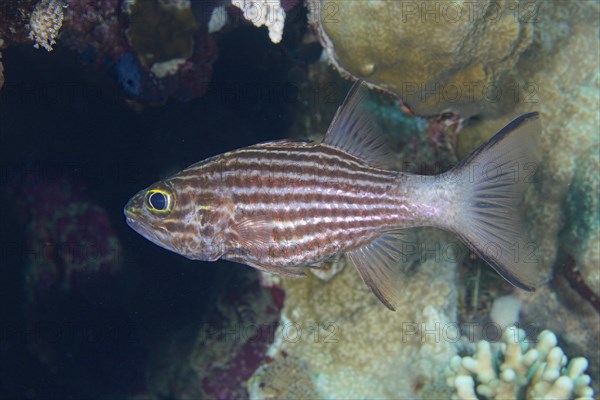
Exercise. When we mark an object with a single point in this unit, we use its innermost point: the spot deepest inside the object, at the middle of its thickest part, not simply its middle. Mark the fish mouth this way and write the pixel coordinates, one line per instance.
(133, 220)
(132, 211)
(133, 224)
(137, 226)
(147, 232)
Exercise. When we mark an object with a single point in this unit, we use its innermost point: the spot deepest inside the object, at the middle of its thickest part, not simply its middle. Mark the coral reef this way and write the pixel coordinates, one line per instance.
(95, 30)
(330, 338)
(582, 230)
(516, 57)
(214, 357)
(218, 19)
(417, 145)
(173, 50)
(157, 48)
(326, 327)
(284, 378)
(517, 371)
(558, 79)
(544, 57)
(71, 269)
(161, 33)
(505, 310)
(269, 13)
(46, 20)
(437, 57)
(24, 21)
(548, 66)
(71, 242)
(559, 308)
(14, 21)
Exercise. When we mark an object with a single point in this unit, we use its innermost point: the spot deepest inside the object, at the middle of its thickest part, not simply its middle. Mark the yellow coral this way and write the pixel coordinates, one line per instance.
(437, 56)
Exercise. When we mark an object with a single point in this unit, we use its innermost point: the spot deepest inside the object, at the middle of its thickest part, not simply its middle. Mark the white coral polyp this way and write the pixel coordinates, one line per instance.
(264, 12)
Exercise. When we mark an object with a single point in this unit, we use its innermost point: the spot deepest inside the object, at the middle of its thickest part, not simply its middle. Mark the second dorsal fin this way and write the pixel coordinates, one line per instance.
(354, 131)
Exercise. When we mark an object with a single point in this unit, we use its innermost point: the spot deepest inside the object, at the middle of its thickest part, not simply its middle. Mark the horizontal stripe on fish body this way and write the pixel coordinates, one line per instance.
(310, 164)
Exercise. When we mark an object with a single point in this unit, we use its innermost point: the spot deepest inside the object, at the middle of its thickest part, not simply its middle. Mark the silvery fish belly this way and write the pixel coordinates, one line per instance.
(284, 205)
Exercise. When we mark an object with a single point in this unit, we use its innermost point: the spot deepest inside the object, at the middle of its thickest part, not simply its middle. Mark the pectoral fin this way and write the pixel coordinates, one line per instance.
(377, 264)
(255, 232)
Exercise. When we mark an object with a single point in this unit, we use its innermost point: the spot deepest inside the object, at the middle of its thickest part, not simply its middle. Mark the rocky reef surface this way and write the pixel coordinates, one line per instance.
(354, 347)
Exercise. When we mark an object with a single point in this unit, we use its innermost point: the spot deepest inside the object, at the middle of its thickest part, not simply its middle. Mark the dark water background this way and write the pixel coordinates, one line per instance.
(59, 119)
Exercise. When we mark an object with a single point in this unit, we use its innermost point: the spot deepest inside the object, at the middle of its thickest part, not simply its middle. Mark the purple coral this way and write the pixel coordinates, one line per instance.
(71, 242)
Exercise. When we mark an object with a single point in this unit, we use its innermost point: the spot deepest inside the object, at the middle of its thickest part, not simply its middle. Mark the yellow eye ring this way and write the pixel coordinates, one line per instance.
(159, 201)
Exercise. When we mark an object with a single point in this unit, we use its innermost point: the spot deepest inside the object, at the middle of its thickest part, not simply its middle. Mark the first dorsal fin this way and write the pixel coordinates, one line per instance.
(354, 131)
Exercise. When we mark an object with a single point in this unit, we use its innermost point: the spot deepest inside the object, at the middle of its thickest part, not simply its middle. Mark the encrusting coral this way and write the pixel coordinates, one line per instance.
(352, 346)
(285, 378)
(437, 56)
(516, 371)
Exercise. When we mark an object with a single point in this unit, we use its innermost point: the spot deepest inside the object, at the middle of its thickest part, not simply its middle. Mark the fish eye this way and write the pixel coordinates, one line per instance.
(158, 201)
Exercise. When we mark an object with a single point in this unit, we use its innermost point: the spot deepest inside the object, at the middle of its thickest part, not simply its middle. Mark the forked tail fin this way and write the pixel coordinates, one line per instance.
(490, 185)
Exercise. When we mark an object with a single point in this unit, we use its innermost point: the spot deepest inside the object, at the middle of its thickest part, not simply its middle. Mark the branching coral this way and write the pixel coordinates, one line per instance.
(46, 20)
(517, 371)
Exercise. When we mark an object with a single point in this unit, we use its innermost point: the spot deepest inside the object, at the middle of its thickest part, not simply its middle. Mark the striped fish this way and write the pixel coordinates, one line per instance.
(284, 205)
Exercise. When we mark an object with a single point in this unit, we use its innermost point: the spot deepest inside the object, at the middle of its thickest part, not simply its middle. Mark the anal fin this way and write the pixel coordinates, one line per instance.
(377, 264)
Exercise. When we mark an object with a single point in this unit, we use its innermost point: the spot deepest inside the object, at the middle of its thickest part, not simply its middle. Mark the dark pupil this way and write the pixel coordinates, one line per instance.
(158, 201)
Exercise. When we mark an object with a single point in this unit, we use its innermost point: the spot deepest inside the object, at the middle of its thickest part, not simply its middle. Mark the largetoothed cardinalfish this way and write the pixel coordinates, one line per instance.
(284, 205)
